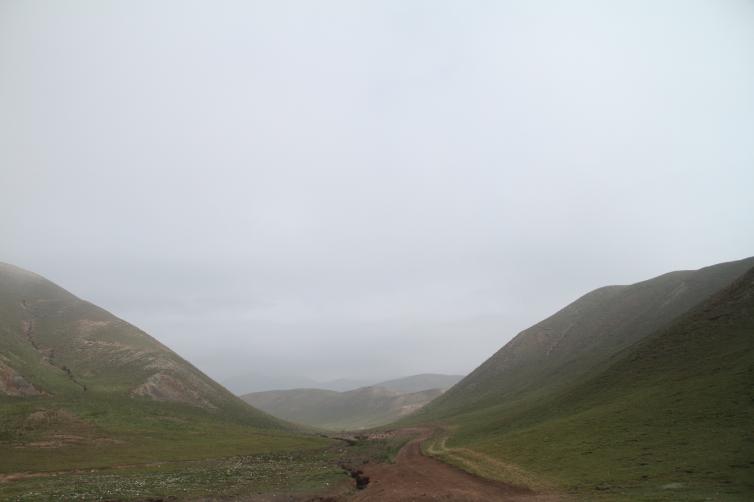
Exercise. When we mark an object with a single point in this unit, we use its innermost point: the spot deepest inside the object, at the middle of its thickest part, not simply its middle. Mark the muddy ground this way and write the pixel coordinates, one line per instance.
(415, 476)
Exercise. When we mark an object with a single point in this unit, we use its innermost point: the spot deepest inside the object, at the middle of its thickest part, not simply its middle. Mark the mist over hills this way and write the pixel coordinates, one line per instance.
(351, 410)
(260, 382)
(359, 408)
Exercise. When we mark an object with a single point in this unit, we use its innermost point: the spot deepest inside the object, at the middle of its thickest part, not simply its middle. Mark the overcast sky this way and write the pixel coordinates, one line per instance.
(369, 189)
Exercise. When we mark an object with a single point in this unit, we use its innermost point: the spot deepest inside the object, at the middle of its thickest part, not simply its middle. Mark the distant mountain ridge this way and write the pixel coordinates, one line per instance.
(424, 381)
(354, 409)
(259, 382)
(364, 407)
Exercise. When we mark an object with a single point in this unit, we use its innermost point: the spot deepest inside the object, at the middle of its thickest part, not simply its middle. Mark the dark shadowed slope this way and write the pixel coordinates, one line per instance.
(354, 409)
(666, 418)
(584, 335)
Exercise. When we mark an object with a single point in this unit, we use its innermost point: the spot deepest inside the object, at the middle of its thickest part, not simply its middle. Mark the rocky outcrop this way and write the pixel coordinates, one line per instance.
(13, 384)
(165, 387)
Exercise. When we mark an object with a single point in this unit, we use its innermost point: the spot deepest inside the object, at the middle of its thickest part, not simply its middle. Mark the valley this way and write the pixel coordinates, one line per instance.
(639, 392)
(376, 251)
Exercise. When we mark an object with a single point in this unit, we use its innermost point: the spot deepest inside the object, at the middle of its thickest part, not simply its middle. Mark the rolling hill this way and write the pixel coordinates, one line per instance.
(355, 409)
(249, 383)
(259, 382)
(640, 392)
(416, 383)
(75, 380)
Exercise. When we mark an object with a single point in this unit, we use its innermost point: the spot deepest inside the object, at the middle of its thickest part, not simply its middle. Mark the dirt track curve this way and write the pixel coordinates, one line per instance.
(416, 477)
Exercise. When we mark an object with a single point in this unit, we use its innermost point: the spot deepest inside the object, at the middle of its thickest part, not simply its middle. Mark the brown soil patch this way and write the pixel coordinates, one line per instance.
(417, 477)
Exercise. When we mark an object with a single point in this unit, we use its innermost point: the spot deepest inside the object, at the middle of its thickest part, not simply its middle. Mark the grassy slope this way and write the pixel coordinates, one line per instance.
(356, 409)
(581, 338)
(63, 345)
(87, 365)
(87, 433)
(667, 418)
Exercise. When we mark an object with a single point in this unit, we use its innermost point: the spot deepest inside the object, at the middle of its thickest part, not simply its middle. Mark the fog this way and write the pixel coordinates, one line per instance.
(369, 189)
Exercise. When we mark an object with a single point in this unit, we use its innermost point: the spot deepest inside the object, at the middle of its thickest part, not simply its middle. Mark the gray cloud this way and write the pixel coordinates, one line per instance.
(369, 188)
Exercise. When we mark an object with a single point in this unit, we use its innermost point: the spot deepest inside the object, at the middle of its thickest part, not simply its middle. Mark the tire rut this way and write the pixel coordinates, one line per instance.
(416, 477)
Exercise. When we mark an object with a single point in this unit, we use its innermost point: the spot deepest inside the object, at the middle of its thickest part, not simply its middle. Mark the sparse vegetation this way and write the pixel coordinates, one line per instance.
(276, 472)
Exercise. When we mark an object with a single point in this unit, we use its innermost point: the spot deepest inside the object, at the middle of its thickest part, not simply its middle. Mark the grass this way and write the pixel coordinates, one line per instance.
(279, 472)
(667, 418)
(309, 465)
(480, 464)
(90, 434)
(104, 432)
(624, 447)
(160, 450)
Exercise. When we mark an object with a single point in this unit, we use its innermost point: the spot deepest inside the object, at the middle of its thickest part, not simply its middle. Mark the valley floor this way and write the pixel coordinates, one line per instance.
(394, 463)
(417, 477)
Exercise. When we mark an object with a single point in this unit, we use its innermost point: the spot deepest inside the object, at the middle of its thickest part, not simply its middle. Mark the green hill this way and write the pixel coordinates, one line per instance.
(355, 409)
(81, 388)
(583, 336)
(641, 392)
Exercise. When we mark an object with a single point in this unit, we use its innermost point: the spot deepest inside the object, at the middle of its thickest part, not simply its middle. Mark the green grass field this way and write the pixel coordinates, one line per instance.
(44, 435)
(136, 449)
(206, 460)
(140, 448)
(279, 472)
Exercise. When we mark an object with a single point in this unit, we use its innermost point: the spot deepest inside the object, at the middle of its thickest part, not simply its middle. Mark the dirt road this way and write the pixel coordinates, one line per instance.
(416, 477)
